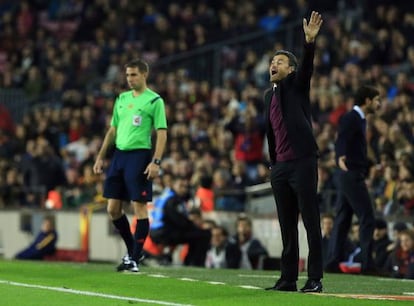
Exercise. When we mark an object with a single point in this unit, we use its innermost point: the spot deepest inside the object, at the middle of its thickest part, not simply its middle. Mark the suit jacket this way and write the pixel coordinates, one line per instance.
(293, 94)
(351, 141)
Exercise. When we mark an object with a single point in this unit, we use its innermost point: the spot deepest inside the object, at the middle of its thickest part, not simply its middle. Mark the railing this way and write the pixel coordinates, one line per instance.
(259, 199)
(208, 63)
(15, 101)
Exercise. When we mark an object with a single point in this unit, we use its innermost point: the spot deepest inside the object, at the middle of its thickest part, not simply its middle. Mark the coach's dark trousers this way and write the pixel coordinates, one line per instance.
(353, 197)
(294, 186)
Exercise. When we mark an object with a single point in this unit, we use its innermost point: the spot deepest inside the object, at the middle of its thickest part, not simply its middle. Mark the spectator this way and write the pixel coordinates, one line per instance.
(402, 257)
(205, 194)
(33, 85)
(240, 179)
(222, 250)
(251, 252)
(172, 226)
(6, 121)
(326, 189)
(248, 132)
(354, 237)
(44, 243)
(44, 169)
(381, 245)
(262, 174)
(13, 190)
(327, 221)
(388, 192)
(272, 20)
(77, 149)
(225, 196)
(397, 229)
(73, 195)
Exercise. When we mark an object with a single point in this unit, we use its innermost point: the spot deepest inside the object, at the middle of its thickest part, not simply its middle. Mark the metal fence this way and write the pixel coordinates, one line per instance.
(208, 63)
(15, 102)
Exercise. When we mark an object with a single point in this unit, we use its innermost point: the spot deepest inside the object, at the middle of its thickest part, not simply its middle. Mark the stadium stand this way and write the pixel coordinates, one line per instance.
(61, 66)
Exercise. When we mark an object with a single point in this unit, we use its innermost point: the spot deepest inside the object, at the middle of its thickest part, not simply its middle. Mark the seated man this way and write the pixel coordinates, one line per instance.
(223, 252)
(327, 221)
(171, 225)
(251, 251)
(381, 244)
(44, 244)
(401, 261)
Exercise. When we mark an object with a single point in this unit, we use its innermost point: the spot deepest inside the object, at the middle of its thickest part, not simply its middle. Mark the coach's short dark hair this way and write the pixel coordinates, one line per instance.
(293, 61)
(138, 63)
(365, 91)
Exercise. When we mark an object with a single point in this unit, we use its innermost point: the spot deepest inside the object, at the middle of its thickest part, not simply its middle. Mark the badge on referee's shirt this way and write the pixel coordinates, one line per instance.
(136, 120)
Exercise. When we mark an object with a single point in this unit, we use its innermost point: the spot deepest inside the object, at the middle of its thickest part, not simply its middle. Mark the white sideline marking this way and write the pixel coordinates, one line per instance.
(249, 287)
(188, 279)
(391, 279)
(88, 293)
(408, 293)
(257, 276)
(157, 275)
(215, 283)
(266, 276)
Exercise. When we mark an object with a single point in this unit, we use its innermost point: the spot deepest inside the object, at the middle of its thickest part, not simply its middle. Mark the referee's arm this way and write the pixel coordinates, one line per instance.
(152, 169)
(160, 143)
(108, 140)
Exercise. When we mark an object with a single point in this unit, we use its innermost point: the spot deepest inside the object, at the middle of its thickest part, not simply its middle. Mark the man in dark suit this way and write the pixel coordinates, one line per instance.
(293, 153)
(353, 197)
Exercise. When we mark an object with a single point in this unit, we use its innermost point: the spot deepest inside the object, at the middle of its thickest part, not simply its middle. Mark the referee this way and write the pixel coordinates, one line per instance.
(134, 163)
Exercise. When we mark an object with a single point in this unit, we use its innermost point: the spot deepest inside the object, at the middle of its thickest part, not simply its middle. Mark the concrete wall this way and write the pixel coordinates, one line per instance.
(104, 244)
(13, 238)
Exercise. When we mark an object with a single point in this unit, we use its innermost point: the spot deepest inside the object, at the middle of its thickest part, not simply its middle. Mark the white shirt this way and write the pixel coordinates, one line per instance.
(359, 111)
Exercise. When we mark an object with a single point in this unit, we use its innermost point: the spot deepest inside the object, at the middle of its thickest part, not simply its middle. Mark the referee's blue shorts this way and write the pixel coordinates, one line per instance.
(125, 178)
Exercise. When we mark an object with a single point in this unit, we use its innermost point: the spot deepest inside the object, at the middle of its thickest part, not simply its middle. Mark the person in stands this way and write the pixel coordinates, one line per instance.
(44, 243)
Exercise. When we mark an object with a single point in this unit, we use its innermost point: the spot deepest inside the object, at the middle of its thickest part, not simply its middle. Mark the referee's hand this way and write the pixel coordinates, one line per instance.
(152, 171)
(98, 166)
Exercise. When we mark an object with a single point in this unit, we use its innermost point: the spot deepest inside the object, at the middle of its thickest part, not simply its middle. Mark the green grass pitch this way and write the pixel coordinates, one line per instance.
(55, 283)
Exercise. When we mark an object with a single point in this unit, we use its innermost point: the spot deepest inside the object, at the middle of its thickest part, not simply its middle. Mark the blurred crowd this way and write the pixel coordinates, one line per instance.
(67, 58)
(393, 248)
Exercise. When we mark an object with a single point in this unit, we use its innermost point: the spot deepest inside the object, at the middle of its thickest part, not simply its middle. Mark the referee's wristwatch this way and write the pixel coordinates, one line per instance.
(157, 161)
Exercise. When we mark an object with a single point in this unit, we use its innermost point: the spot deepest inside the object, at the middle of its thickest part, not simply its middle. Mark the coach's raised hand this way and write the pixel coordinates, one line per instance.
(312, 28)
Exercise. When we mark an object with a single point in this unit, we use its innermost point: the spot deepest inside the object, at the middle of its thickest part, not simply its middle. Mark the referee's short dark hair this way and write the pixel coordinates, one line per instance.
(138, 63)
(293, 61)
(363, 92)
